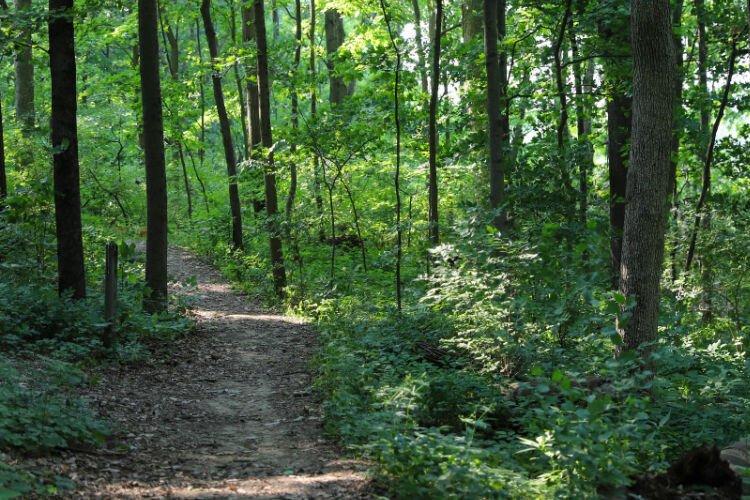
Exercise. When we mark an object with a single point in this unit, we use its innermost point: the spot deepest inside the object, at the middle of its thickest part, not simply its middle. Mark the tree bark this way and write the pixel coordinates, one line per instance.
(153, 138)
(471, 19)
(434, 228)
(295, 112)
(334, 26)
(24, 71)
(585, 152)
(264, 86)
(64, 138)
(615, 32)
(420, 46)
(654, 71)
(678, 127)
(226, 132)
(494, 95)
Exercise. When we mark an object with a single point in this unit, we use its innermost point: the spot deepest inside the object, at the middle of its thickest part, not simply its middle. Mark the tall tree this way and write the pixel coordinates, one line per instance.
(272, 205)
(251, 91)
(334, 27)
(153, 146)
(64, 137)
(434, 228)
(24, 79)
(494, 95)
(614, 30)
(650, 154)
(420, 45)
(295, 111)
(24, 68)
(224, 127)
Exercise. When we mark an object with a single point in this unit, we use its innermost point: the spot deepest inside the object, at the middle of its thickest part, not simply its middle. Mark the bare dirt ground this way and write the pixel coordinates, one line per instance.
(226, 412)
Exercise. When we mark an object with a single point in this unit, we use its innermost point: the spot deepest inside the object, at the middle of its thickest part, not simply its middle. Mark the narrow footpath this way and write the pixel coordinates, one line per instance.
(227, 412)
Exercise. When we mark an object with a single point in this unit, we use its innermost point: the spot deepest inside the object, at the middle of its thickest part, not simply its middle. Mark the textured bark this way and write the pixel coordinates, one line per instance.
(224, 127)
(434, 228)
(334, 27)
(494, 94)
(615, 32)
(471, 19)
(64, 138)
(643, 237)
(264, 87)
(24, 73)
(153, 142)
(420, 46)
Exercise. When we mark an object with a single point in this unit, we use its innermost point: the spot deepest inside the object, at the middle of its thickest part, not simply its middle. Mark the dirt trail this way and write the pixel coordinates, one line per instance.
(227, 413)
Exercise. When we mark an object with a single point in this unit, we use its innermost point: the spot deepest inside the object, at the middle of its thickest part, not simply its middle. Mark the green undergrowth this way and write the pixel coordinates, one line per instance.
(497, 379)
(48, 342)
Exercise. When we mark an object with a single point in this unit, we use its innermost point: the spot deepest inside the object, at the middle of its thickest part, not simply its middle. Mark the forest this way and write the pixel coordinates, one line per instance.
(374, 249)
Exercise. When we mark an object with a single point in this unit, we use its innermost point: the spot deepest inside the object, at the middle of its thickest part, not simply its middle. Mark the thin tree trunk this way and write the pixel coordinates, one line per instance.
(3, 179)
(706, 184)
(24, 83)
(295, 118)
(585, 154)
(420, 46)
(562, 126)
(264, 87)
(64, 138)
(494, 95)
(678, 128)
(156, 178)
(226, 133)
(187, 181)
(251, 90)
(650, 155)
(202, 90)
(434, 228)
(397, 173)
(313, 114)
(200, 181)
(246, 147)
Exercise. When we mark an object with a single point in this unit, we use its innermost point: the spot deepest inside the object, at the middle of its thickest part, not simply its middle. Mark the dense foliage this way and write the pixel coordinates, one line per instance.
(496, 376)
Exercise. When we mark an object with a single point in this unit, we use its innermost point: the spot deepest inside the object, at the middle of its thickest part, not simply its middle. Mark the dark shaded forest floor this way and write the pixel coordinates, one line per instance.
(226, 412)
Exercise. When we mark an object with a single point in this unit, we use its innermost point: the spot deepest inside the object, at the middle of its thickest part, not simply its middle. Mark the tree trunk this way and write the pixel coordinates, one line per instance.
(226, 132)
(494, 95)
(156, 178)
(24, 70)
(643, 237)
(313, 114)
(251, 91)
(615, 32)
(24, 83)
(264, 87)
(420, 46)
(678, 128)
(434, 228)
(334, 25)
(585, 151)
(295, 111)
(246, 147)
(3, 179)
(471, 19)
(64, 138)
(563, 132)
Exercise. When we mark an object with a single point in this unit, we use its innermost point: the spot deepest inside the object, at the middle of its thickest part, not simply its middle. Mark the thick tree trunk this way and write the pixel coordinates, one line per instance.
(334, 26)
(264, 87)
(64, 137)
(434, 228)
(471, 19)
(153, 139)
(494, 96)
(226, 132)
(643, 237)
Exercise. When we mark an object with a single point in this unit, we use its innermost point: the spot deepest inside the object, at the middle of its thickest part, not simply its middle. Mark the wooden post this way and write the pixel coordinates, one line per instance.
(110, 294)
